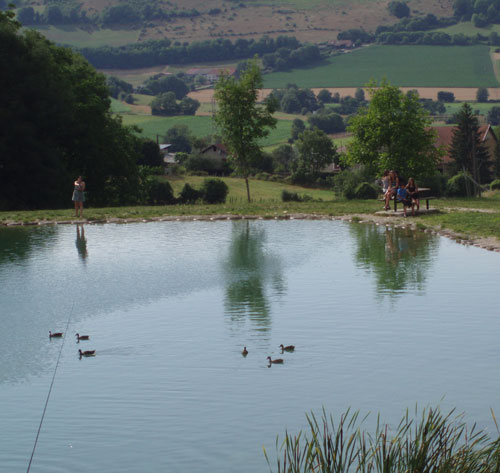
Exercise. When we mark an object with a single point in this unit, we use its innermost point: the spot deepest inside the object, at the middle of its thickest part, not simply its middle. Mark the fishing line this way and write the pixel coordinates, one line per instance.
(50, 389)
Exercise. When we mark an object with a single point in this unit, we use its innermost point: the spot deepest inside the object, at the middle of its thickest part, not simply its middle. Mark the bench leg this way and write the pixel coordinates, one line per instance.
(395, 205)
(427, 204)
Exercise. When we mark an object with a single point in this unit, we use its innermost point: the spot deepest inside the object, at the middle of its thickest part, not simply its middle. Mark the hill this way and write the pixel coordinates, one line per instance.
(191, 20)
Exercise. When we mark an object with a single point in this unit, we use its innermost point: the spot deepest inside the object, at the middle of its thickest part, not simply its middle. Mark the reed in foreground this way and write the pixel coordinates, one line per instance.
(427, 442)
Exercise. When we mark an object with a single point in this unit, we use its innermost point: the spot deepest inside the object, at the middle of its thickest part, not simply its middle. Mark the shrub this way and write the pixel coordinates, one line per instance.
(365, 191)
(189, 195)
(346, 182)
(263, 176)
(214, 191)
(160, 193)
(457, 185)
(495, 185)
(287, 196)
(436, 183)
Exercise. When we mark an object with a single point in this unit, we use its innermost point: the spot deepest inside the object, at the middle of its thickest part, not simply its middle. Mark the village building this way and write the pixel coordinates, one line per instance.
(444, 139)
(211, 75)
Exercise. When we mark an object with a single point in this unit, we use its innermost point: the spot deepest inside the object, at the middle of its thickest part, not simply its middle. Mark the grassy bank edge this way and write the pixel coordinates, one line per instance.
(479, 225)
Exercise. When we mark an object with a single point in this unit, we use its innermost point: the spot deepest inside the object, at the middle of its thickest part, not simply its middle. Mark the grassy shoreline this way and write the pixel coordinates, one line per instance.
(464, 219)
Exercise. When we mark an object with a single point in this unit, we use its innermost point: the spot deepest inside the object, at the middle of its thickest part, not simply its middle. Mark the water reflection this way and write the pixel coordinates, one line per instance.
(81, 242)
(248, 270)
(19, 244)
(399, 258)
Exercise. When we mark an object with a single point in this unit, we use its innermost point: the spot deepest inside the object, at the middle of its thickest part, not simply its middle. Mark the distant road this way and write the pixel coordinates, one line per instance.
(461, 93)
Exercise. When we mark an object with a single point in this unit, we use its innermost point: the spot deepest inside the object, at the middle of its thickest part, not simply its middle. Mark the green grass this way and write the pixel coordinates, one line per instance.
(73, 36)
(468, 29)
(483, 108)
(119, 107)
(200, 126)
(410, 66)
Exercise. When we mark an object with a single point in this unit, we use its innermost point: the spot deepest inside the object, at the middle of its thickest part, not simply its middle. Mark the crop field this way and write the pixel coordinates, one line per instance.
(200, 126)
(411, 66)
(72, 36)
(469, 29)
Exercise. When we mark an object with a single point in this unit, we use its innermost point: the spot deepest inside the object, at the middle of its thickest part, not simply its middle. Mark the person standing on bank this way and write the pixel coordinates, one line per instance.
(78, 195)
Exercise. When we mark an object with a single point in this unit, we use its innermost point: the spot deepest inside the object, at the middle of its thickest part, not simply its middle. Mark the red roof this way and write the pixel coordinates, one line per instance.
(444, 138)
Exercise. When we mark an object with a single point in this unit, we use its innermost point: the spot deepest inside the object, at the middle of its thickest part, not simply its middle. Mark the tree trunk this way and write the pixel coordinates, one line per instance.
(248, 188)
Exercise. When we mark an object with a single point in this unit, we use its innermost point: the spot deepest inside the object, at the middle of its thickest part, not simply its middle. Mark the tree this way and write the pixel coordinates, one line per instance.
(467, 149)
(165, 104)
(482, 94)
(284, 156)
(325, 96)
(298, 127)
(328, 122)
(443, 96)
(393, 132)
(494, 116)
(56, 125)
(241, 121)
(359, 95)
(179, 136)
(316, 151)
(399, 9)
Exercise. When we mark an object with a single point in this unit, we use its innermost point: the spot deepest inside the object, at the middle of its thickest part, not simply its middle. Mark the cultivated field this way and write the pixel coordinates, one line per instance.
(308, 20)
(410, 66)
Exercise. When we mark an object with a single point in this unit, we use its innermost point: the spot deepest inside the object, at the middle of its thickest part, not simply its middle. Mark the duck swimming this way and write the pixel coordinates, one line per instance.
(277, 360)
(245, 351)
(55, 335)
(82, 337)
(86, 353)
(288, 348)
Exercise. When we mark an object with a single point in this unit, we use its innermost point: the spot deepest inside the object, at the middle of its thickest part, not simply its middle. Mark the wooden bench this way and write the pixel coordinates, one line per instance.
(423, 195)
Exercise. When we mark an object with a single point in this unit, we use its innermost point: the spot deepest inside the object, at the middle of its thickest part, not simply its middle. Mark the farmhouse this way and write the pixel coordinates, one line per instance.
(168, 158)
(445, 136)
(211, 75)
(215, 151)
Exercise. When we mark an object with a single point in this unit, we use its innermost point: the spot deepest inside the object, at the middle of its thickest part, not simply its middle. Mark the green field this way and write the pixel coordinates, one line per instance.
(410, 66)
(468, 29)
(199, 126)
(73, 36)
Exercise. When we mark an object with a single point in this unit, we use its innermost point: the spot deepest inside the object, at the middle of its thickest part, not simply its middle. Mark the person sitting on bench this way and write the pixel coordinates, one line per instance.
(412, 189)
(403, 197)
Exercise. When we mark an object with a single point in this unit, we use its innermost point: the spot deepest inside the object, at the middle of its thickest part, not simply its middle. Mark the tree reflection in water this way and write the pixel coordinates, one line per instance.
(249, 269)
(399, 258)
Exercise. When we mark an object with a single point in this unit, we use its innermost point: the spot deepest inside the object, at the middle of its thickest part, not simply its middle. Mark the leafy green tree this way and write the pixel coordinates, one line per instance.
(150, 154)
(325, 96)
(165, 104)
(188, 106)
(315, 150)
(284, 156)
(298, 127)
(393, 132)
(494, 116)
(179, 136)
(482, 94)
(447, 97)
(399, 9)
(56, 125)
(467, 149)
(328, 122)
(359, 95)
(241, 121)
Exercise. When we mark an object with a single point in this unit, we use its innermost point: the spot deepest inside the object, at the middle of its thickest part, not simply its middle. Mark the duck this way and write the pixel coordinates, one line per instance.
(277, 360)
(245, 351)
(288, 348)
(86, 353)
(55, 335)
(82, 337)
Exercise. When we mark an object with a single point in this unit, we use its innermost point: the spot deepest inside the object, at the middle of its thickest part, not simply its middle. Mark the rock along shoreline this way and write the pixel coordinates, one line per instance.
(487, 243)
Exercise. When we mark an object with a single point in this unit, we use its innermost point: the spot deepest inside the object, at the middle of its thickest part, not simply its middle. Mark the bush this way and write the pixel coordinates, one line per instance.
(495, 185)
(189, 195)
(365, 191)
(214, 191)
(287, 196)
(160, 193)
(457, 185)
(346, 182)
(436, 183)
(263, 176)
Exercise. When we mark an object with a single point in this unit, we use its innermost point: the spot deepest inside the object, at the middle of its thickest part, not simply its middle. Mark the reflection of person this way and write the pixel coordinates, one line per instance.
(412, 189)
(81, 241)
(385, 183)
(78, 195)
(392, 189)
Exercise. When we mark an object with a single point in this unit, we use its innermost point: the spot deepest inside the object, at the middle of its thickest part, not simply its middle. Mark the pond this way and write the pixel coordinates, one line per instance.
(382, 319)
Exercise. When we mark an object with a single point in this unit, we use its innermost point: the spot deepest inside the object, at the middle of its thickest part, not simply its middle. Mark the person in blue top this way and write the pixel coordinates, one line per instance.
(404, 197)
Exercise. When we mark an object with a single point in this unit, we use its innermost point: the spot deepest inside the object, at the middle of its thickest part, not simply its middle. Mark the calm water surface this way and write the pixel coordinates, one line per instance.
(382, 319)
